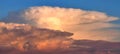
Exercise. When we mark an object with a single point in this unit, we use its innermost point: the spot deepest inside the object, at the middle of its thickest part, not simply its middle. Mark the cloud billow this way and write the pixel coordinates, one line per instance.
(26, 37)
(84, 24)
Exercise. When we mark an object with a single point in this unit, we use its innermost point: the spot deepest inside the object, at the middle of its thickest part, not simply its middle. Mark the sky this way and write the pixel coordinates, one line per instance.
(57, 25)
(95, 13)
(111, 7)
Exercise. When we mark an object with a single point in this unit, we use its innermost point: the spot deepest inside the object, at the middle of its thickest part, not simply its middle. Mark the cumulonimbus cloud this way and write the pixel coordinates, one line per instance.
(84, 24)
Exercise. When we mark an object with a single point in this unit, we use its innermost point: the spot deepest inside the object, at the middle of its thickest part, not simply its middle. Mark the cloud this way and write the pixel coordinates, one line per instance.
(84, 24)
(26, 37)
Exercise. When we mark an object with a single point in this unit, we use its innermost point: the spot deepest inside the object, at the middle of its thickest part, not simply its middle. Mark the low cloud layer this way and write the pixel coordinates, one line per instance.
(25, 37)
(84, 24)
